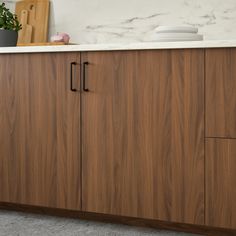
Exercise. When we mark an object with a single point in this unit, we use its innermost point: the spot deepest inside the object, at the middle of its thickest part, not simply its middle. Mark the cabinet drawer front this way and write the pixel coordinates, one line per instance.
(221, 183)
(221, 93)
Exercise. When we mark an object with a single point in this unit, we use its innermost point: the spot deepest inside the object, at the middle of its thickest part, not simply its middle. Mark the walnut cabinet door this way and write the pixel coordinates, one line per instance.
(143, 134)
(40, 129)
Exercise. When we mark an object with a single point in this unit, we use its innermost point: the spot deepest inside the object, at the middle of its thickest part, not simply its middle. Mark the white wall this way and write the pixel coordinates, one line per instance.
(101, 21)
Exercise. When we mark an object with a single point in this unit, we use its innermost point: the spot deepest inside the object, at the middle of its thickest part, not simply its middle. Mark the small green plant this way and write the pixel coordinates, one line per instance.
(8, 20)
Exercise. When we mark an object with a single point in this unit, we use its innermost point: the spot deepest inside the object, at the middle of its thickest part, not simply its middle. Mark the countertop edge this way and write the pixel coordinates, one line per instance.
(121, 46)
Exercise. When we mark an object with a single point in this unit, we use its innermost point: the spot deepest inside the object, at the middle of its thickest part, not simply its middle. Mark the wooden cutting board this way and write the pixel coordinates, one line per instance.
(25, 34)
(38, 15)
(41, 44)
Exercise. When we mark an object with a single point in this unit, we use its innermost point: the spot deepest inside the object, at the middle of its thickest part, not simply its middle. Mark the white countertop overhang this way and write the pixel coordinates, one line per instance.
(121, 46)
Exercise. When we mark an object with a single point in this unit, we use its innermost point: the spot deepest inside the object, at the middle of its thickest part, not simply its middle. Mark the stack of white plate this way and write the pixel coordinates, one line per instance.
(177, 33)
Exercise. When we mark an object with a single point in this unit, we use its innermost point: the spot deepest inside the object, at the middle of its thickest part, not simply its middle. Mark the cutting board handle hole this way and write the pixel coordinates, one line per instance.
(31, 7)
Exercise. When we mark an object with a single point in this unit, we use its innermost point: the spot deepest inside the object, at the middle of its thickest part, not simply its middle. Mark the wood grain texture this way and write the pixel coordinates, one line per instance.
(221, 93)
(143, 134)
(220, 183)
(25, 34)
(38, 17)
(40, 131)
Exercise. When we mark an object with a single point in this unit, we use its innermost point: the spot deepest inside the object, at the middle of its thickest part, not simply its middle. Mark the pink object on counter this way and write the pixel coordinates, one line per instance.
(61, 37)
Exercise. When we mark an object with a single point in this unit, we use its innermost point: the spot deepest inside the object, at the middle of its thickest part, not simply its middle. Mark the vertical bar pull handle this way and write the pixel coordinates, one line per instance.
(72, 64)
(85, 64)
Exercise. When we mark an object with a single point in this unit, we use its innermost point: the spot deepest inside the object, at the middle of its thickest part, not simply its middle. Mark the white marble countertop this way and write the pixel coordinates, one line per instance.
(121, 46)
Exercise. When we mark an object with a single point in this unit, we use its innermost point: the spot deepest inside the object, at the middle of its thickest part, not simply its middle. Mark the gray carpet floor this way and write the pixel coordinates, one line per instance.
(21, 224)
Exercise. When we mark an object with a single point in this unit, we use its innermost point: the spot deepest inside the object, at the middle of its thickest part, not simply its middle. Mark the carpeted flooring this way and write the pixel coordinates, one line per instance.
(21, 224)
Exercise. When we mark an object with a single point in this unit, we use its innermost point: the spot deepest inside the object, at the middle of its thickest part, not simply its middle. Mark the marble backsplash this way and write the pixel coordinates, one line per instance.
(109, 21)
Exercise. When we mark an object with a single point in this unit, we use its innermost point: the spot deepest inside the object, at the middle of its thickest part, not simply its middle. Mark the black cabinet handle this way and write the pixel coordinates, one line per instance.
(72, 64)
(85, 64)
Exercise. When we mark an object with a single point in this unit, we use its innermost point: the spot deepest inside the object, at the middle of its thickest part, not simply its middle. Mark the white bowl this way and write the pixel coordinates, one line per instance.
(176, 29)
(172, 37)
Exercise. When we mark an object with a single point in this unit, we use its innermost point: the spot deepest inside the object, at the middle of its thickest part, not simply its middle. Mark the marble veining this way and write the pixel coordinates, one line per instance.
(106, 21)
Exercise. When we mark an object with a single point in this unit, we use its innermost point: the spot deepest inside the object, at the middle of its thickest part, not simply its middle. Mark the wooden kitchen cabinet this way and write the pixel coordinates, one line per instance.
(40, 130)
(143, 134)
(221, 92)
(221, 133)
(220, 183)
